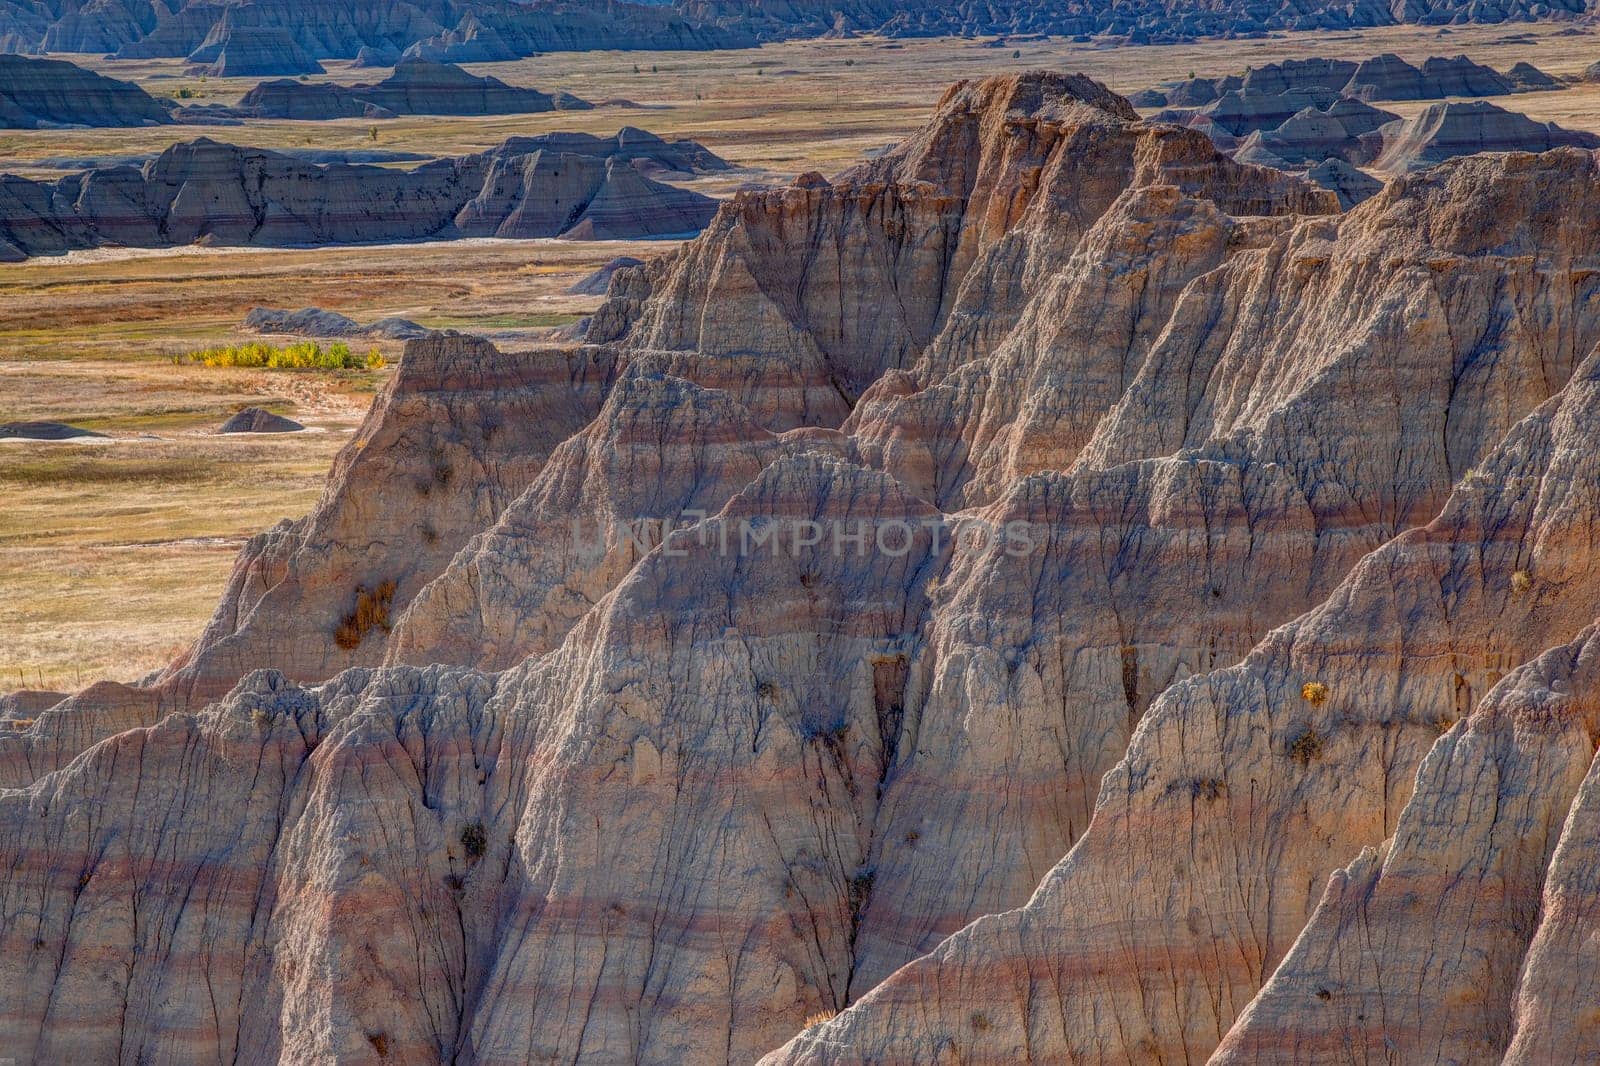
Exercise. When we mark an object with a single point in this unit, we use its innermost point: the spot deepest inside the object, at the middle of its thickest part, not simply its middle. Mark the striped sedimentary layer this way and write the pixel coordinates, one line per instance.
(556, 185)
(644, 700)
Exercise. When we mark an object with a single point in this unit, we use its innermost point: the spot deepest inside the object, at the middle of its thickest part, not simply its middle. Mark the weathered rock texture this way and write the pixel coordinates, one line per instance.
(1288, 116)
(1139, 21)
(598, 282)
(1385, 77)
(1212, 840)
(43, 93)
(235, 51)
(315, 322)
(573, 185)
(1352, 186)
(417, 87)
(1445, 131)
(262, 33)
(987, 594)
(490, 30)
(256, 420)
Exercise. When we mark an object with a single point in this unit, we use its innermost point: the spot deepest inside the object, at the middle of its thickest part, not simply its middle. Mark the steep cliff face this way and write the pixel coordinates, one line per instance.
(1211, 840)
(458, 433)
(930, 252)
(987, 594)
(1214, 836)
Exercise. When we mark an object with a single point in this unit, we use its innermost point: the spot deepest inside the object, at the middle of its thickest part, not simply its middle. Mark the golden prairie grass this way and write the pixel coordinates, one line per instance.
(370, 613)
(299, 355)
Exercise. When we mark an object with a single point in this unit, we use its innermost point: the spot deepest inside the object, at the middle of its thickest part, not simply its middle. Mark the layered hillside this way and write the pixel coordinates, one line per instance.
(554, 185)
(261, 37)
(1313, 115)
(987, 595)
(467, 31)
(46, 93)
(417, 87)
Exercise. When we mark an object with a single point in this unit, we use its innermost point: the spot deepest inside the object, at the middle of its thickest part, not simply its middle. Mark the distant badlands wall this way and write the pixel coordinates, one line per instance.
(555, 185)
(1276, 744)
(250, 37)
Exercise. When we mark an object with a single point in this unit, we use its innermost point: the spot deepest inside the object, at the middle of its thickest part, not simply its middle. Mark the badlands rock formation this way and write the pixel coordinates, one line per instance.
(574, 185)
(315, 322)
(417, 87)
(1347, 130)
(1352, 186)
(988, 594)
(1444, 131)
(1385, 77)
(488, 30)
(1288, 116)
(459, 30)
(1141, 21)
(1214, 837)
(251, 52)
(43, 93)
(257, 420)
(44, 431)
(597, 283)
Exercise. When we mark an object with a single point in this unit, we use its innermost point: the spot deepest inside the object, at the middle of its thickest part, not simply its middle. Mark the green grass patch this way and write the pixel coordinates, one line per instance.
(302, 355)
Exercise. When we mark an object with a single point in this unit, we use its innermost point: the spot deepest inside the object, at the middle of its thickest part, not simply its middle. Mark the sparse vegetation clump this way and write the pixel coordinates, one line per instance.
(818, 1018)
(474, 840)
(1306, 747)
(1521, 582)
(301, 355)
(1314, 693)
(371, 612)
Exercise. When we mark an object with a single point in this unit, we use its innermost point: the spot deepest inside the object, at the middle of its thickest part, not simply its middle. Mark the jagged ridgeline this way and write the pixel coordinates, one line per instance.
(1284, 712)
(259, 37)
(554, 185)
(51, 93)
